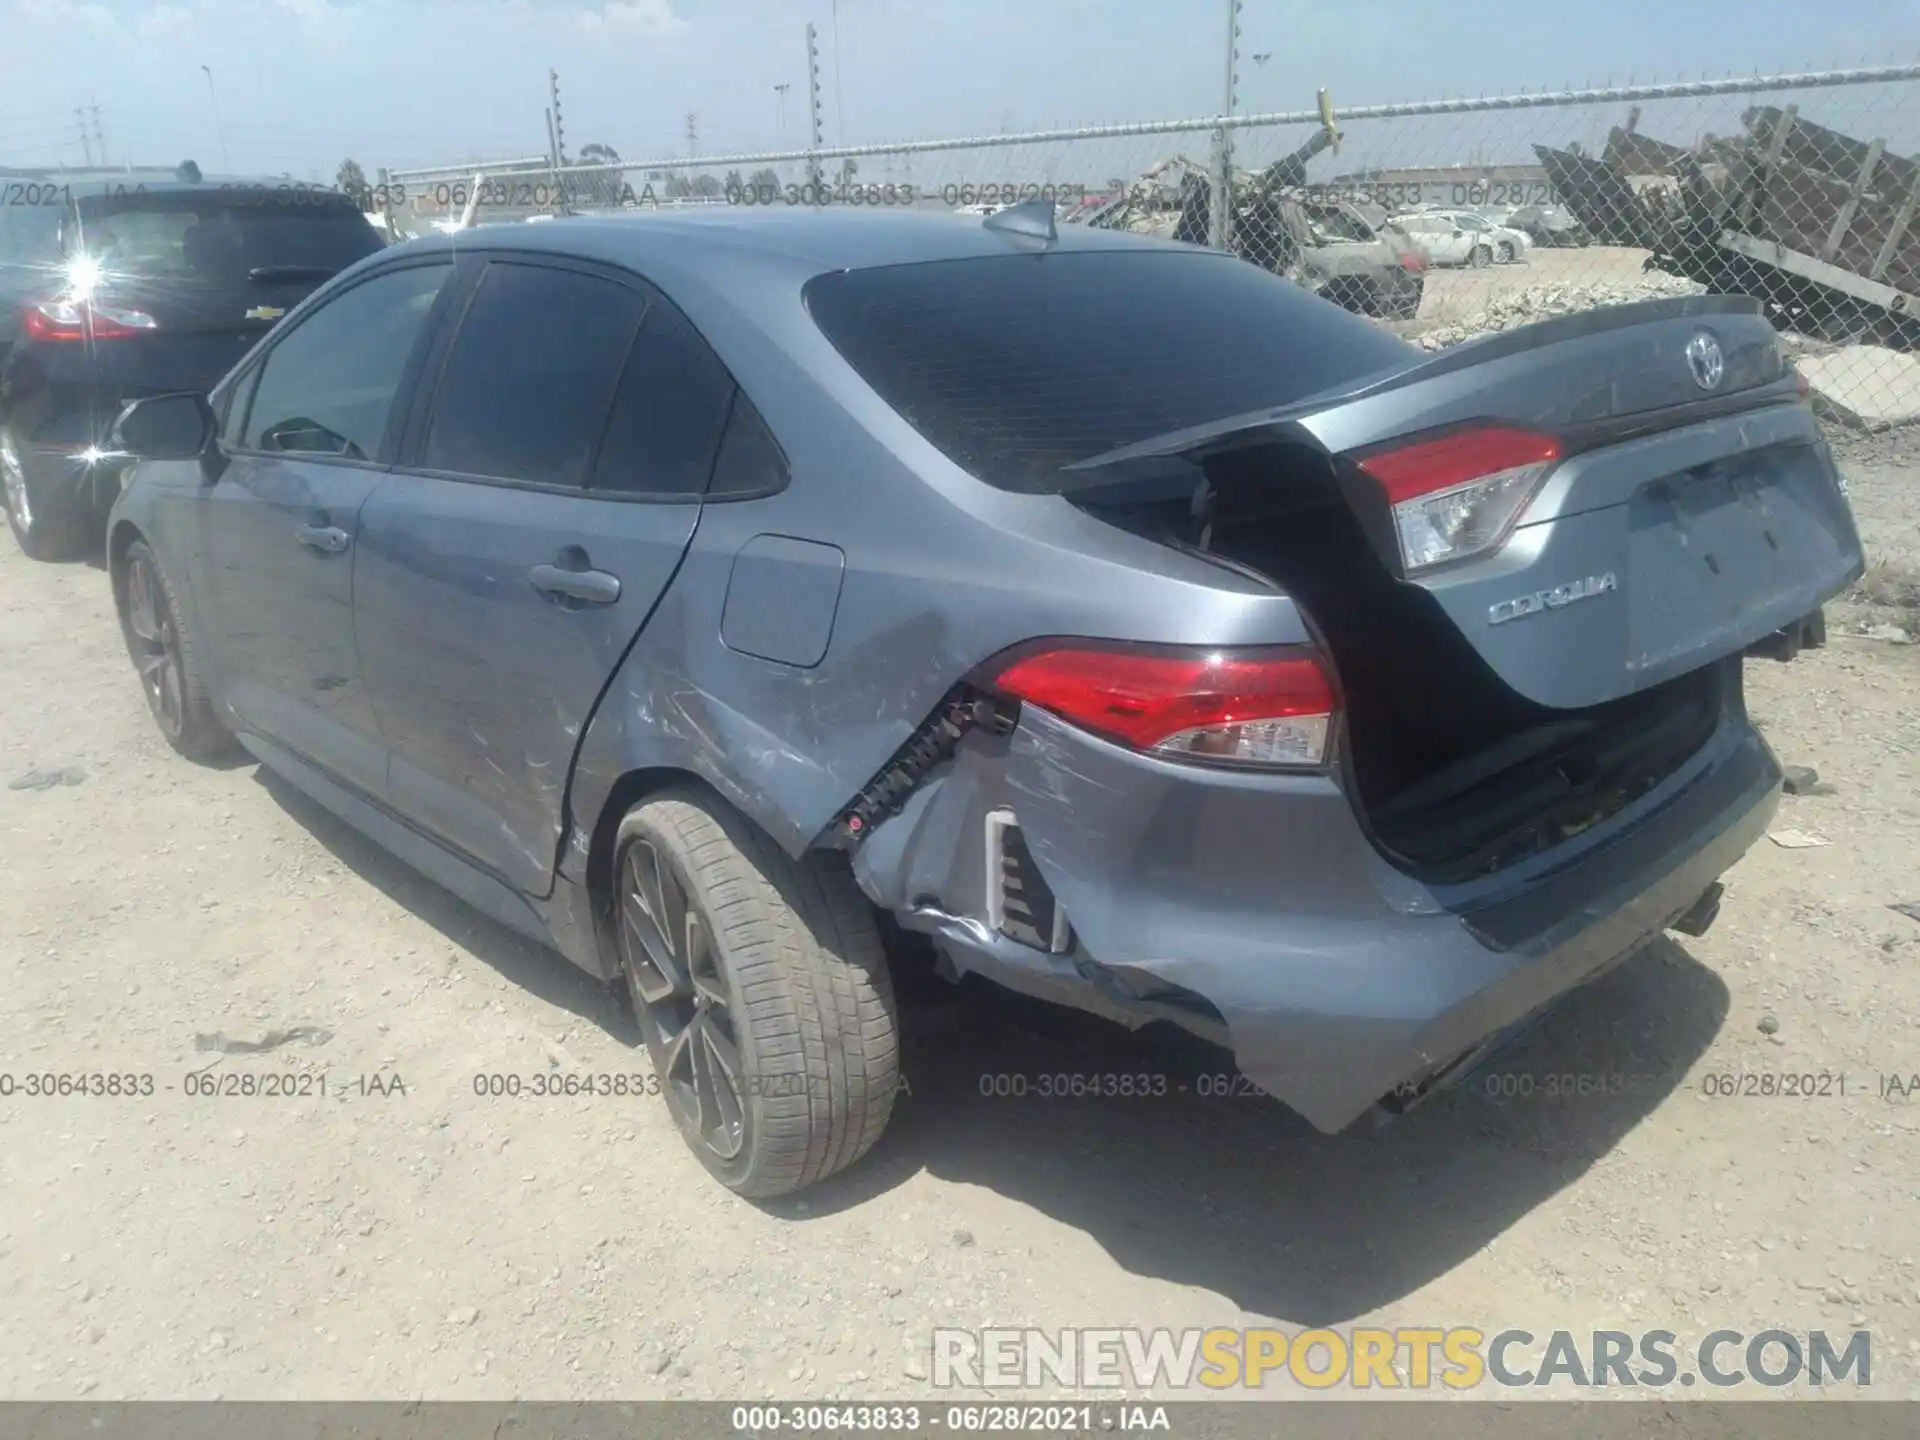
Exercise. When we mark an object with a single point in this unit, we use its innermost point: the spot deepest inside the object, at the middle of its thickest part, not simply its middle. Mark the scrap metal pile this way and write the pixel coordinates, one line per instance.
(1816, 224)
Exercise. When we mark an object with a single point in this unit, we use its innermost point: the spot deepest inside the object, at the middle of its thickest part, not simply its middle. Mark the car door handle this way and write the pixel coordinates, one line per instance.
(590, 587)
(327, 539)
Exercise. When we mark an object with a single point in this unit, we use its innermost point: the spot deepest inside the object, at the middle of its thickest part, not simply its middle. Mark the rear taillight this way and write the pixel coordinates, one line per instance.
(1264, 707)
(84, 320)
(1414, 263)
(1457, 495)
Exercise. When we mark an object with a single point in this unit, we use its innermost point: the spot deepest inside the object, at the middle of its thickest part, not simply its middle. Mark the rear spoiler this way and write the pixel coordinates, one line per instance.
(1281, 422)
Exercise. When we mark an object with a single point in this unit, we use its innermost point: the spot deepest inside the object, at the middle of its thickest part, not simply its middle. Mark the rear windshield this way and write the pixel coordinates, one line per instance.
(217, 240)
(1017, 365)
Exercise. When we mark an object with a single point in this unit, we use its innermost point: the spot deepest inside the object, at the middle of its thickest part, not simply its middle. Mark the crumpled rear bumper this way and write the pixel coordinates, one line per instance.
(1253, 909)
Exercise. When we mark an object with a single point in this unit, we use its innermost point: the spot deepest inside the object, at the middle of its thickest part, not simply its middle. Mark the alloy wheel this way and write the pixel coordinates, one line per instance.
(155, 644)
(684, 999)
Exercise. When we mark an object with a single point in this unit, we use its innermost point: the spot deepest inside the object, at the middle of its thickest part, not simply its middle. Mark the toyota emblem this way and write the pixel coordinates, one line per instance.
(1705, 360)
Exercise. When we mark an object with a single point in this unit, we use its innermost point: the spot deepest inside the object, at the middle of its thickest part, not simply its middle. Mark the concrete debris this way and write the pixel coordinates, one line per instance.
(49, 779)
(1867, 386)
(1803, 780)
(1543, 302)
(1797, 839)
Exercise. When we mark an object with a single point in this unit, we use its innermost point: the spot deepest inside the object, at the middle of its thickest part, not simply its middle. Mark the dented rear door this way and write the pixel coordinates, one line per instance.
(546, 495)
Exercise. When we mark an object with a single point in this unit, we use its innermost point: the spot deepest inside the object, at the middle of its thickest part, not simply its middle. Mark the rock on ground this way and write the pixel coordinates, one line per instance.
(1868, 386)
(1542, 302)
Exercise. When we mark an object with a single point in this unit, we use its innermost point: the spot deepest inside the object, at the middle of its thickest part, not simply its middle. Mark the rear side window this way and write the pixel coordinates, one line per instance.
(1017, 365)
(208, 239)
(526, 387)
(667, 414)
(328, 385)
(750, 460)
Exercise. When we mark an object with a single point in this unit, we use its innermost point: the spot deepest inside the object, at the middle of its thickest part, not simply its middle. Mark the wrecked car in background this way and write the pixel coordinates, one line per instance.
(1324, 245)
(1156, 637)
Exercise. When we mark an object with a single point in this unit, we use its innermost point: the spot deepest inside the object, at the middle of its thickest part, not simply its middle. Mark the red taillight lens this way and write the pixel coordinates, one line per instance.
(1457, 495)
(1249, 707)
(1410, 261)
(80, 320)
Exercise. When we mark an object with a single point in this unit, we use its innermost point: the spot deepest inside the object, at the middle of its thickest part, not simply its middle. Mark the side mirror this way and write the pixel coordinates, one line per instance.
(166, 427)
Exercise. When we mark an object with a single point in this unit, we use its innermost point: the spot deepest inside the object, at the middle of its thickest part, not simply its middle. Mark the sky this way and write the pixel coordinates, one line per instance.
(298, 85)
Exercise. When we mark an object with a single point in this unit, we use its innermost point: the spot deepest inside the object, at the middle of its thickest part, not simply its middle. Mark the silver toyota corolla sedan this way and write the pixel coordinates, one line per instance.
(686, 591)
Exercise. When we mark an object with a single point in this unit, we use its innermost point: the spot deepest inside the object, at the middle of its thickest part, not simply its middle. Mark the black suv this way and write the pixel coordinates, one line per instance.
(118, 286)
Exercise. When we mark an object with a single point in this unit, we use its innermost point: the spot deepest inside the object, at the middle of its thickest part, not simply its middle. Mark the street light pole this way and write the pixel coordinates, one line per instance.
(219, 129)
(782, 90)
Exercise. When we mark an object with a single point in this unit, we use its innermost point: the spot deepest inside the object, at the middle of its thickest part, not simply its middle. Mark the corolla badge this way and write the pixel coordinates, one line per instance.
(1560, 596)
(1706, 361)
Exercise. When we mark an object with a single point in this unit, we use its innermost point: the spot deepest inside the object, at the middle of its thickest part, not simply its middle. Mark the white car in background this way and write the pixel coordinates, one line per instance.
(1463, 237)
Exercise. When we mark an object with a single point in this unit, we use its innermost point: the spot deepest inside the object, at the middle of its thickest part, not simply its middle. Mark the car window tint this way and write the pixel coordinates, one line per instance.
(527, 384)
(668, 412)
(750, 462)
(1017, 365)
(329, 385)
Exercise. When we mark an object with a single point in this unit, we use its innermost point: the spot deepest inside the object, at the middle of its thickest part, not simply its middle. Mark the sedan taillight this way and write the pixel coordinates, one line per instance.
(1268, 707)
(1457, 495)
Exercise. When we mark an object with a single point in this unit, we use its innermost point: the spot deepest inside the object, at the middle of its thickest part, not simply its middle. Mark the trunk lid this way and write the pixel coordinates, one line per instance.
(1693, 509)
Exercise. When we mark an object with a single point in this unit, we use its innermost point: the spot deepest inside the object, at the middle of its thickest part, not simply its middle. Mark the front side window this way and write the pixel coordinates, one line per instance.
(526, 388)
(328, 387)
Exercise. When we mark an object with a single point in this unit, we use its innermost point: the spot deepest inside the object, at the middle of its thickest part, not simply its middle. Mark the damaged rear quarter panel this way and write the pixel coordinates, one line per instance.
(942, 572)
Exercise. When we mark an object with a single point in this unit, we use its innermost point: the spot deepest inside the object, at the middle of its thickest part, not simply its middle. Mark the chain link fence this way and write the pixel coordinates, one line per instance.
(1442, 219)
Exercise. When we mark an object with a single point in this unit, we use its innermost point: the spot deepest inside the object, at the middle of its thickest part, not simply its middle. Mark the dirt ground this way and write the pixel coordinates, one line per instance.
(428, 1242)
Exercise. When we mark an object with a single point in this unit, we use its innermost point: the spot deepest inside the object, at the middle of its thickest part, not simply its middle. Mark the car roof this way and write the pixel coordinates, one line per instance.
(805, 240)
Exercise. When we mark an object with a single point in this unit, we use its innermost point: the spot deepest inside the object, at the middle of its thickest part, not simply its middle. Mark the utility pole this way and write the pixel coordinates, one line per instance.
(559, 130)
(219, 129)
(556, 142)
(693, 134)
(1220, 227)
(86, 140)
(781, 91)
(813, 89)
(99, 135)
(553, 166)
(839, 102)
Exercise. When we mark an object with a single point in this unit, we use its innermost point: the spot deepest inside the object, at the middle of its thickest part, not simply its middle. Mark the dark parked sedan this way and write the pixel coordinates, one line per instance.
(685, 590)
(113, 288)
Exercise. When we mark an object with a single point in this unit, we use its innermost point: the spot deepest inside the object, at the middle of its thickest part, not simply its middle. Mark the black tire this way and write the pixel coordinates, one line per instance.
(47, 523)
(1504, 252)
(166, 657)
(1480, 258)
(780, 988)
